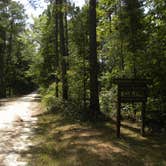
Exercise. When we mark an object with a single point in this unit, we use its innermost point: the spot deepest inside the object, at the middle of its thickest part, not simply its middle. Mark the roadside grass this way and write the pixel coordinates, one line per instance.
(61, 141)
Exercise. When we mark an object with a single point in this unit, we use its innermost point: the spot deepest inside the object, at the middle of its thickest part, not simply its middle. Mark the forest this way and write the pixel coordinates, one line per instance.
(60, 56)
(72, 55)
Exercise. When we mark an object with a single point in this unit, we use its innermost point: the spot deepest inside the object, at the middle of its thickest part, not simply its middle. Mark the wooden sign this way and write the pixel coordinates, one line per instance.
(131, 91)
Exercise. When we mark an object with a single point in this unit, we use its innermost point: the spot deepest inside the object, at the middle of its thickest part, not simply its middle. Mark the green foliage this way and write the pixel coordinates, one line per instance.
(49, 100)
(56, 105)
(16, 50)
(131, 37)
(108, 102)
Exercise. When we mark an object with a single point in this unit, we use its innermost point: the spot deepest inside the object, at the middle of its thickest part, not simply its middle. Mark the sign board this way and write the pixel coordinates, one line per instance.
(131, 91)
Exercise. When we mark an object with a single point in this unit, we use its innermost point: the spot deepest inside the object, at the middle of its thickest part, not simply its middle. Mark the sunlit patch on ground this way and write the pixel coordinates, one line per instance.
(59, 141)
(16, 125)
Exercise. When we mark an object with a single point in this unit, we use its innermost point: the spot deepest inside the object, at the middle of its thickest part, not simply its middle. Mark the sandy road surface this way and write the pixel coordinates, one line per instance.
(16, 124)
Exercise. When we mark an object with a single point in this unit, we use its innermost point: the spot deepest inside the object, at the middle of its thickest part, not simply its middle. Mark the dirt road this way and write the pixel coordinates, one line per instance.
(16, 127)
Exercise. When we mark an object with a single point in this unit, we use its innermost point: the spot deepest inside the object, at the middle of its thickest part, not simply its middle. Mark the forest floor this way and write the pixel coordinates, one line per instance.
(53, 139)
(61, 141)
(16, 123)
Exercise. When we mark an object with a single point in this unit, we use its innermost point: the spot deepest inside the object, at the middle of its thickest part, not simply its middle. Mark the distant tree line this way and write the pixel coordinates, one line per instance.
(130, 44)
(15, 56)
(76, 52)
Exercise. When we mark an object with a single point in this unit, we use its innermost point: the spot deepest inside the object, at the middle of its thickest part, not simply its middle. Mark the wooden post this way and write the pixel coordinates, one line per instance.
(143, 119)
(57, 90)
(118, 115)
(136, 93)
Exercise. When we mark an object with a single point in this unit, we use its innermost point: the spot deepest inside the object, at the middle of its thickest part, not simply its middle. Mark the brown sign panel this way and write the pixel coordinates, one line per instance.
(130, 91)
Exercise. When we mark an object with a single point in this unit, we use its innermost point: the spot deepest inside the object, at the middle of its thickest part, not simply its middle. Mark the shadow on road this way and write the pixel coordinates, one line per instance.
(16, 123)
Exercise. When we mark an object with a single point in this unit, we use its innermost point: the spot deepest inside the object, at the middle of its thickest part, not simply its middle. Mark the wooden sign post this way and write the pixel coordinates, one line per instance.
(131, 91)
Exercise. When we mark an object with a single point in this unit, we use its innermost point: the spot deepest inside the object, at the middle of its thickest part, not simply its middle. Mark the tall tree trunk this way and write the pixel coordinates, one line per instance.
(84, 52)
(56, 46)
(2, 65)
(8, 62)
(121, 40)
(56, 35)
(94, 94)
(63, 52)
(84, 81)
(66, 29)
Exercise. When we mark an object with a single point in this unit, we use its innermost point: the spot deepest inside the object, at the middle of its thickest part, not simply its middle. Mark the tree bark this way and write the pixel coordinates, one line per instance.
(56, 35)
(63, 53)
(2, 53)
(56, 8)
(94, 94)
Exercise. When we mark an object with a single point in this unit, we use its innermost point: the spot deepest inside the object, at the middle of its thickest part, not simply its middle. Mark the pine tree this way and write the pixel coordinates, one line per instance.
(94, 91)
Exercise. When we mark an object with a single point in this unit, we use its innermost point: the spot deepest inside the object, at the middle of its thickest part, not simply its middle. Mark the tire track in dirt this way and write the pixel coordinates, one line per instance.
(17, 121)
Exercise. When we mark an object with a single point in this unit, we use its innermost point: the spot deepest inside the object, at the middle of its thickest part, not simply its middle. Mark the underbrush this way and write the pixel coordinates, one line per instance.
(60, 138)
(73, 110)
(60, 141)
(54, 104)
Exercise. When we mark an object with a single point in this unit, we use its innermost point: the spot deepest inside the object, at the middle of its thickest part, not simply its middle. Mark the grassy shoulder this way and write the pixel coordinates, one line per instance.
(62, 141)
